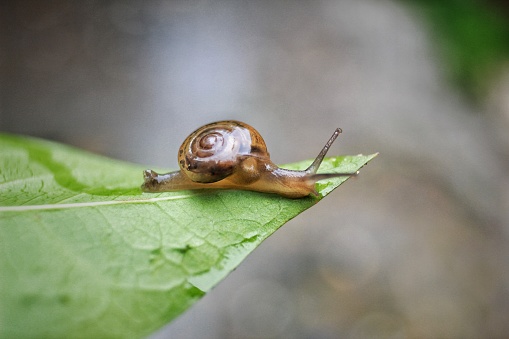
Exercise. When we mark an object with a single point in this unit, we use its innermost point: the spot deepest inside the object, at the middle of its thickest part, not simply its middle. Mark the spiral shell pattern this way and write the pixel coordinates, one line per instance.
(212, 152)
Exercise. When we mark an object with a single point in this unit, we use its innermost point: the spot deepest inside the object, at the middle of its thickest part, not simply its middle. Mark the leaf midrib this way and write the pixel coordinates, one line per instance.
(22, 208)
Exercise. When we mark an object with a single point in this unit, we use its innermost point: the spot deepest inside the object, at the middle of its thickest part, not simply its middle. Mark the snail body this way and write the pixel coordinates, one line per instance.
(233, 155)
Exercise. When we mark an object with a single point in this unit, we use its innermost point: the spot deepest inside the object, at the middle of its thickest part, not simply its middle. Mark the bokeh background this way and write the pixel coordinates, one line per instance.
(416, 246)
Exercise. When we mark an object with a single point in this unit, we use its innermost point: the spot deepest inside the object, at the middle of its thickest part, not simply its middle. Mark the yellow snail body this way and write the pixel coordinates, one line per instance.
(233, 155)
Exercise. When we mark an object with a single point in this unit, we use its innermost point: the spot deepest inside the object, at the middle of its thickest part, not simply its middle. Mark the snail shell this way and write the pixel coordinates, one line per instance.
(212, 152)
(232, 155)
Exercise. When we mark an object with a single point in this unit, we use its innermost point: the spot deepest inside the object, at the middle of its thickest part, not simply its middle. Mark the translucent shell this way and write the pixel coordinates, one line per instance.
(214, 151)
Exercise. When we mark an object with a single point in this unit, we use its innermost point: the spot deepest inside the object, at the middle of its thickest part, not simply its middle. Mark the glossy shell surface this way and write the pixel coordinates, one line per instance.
(213, 151)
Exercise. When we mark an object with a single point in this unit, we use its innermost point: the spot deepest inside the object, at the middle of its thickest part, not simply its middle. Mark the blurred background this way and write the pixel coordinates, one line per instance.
(416, 246)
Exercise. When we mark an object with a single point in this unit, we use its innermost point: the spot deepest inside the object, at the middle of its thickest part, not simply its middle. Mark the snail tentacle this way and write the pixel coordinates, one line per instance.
(313, 168)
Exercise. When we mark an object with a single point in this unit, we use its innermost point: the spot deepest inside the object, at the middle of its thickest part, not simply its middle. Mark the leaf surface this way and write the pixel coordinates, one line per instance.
(84, 253)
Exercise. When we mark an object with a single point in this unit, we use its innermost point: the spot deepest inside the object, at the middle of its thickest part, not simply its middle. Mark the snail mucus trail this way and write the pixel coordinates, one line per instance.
(233, 155)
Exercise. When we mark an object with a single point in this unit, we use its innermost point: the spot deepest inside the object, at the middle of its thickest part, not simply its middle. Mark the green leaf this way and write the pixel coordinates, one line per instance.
(84, 253)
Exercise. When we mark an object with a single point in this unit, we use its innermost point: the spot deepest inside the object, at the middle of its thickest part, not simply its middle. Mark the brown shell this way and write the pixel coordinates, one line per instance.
(212, 152)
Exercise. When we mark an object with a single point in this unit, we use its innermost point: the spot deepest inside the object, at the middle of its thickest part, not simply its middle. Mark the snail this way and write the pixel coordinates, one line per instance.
(233, 155)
